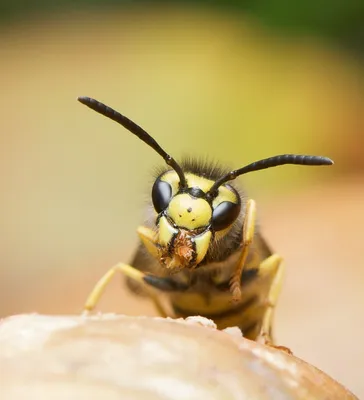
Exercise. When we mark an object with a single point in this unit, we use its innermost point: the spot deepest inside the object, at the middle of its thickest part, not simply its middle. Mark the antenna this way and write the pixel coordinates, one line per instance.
(136, 130)
(269, 163)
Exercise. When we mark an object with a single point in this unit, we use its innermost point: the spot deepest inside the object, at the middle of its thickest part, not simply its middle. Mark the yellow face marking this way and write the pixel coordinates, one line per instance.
(171, 177)
(202, 245)
(204, 184)
(166, 231)
(189, 212)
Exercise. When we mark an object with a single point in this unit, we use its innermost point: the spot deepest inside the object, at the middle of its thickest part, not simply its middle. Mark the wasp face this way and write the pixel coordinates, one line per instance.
(188, 220)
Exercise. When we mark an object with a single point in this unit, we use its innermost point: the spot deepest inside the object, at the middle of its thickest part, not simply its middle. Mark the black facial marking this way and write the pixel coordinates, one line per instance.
(196, 192)
(189, 209)
(161, 195)
(224, 215)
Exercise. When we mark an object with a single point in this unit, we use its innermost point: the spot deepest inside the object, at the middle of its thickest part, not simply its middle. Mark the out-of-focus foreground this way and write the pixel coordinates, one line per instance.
(202, 82)
(123, 350)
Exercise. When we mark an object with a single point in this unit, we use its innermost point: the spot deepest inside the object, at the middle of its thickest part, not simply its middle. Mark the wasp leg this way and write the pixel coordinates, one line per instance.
(141, 259)
(130, 272)
(248, 235)
(148, 237)
(272, 268)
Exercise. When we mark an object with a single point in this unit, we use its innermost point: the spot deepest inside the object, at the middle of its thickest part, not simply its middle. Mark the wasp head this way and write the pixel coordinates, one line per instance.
(191, 209)
(188, 217)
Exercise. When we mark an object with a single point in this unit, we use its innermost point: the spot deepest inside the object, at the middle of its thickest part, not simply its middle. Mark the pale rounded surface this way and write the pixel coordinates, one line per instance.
(114, 357)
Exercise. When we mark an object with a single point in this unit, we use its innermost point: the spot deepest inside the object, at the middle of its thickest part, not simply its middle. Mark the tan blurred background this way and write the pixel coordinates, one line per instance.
(203, 81)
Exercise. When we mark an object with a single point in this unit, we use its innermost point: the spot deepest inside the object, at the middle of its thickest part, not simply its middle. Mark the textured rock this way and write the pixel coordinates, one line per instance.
(114, 357)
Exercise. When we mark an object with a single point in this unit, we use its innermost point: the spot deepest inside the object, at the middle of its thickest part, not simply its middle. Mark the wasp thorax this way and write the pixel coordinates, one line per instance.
(189, 212)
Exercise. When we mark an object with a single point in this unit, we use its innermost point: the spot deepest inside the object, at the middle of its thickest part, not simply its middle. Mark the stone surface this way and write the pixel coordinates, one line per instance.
(111, 357)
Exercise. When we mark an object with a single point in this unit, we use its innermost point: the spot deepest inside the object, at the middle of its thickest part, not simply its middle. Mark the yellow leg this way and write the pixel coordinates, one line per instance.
(271, 268)
(149, 243)
(248, 235)
(130, 272)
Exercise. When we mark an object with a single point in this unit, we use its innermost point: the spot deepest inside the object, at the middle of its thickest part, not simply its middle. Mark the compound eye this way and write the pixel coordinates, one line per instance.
(161, 195)
(224, 215)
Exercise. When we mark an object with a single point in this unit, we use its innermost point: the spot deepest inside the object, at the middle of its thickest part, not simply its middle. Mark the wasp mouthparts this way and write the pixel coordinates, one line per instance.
(183, 253)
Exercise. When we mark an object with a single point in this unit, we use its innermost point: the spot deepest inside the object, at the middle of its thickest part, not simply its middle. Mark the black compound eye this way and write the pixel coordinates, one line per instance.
(161, 195)
(224, 215)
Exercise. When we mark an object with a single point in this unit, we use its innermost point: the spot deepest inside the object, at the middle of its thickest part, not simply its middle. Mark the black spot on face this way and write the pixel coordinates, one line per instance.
(189, 209)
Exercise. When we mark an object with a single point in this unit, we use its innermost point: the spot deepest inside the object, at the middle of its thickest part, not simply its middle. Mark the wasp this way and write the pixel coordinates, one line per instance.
(201, 245)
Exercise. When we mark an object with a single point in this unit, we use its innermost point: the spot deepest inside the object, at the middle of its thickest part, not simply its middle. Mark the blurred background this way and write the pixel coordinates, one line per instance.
(232, 80)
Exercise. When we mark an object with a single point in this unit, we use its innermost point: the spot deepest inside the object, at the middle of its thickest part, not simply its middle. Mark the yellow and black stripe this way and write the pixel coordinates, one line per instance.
(201, 245)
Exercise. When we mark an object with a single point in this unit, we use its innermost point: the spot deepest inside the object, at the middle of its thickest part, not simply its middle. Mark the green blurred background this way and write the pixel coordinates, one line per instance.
(232, 80)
